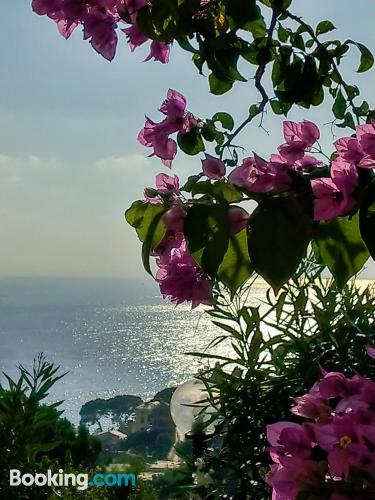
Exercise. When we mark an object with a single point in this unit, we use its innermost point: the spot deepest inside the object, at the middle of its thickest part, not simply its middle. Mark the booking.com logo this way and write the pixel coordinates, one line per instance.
(61, 479)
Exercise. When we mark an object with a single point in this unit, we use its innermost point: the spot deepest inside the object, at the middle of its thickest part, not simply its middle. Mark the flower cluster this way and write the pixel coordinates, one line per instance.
(332, 453)
(100, 20)
(177, 120)
(334, 196)
(179, 276)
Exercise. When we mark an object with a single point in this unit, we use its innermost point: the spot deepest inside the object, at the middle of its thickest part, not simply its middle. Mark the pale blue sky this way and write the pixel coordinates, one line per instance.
(69, 160)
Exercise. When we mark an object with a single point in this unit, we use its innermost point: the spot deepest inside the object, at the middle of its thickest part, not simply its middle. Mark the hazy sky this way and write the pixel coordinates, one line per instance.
(69, 160)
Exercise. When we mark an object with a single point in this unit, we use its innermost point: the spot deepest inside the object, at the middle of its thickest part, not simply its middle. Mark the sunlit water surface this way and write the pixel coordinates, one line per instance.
(112, 337)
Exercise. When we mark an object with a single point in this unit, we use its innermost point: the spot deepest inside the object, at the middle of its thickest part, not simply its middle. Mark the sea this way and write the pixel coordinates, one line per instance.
(110, 336)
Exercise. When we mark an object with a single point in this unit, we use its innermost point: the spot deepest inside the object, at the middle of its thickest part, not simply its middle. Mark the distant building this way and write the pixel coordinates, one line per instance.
(153, 415)
(110, 439)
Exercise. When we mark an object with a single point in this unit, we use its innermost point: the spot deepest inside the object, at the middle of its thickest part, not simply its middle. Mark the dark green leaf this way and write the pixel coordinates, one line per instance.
(367, 59)
(367, 218)
(191, 143)
(278, 236)
(155, 233)
(339, 106)
(283, 34)
(192, 180)
(218, 86)
(341, 247)
(146, 219)
(225, 119)
(324, 27)
(236, 267)
(207, 233)
(246, 15)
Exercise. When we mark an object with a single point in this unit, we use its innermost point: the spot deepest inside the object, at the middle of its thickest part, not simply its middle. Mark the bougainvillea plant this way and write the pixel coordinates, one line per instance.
(331, 453)
(198, 231)
(201, 235)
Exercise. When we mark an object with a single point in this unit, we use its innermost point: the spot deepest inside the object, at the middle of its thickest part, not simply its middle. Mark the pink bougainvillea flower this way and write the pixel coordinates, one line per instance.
(238, 219)
(370, 351)
(100, 28)
(156, 135)
(213, 168)
(135, 5)
(168, 184)
(333, 196)
(165, 184)
(67, 14)
(182, 280)
(305, 132)
(359, 149)
(292, 476)
(174, 218)
(159, 51)
(340, 440)
(366, 136)
(299, 138)
(177, 119)
(259, 176)
(349, 149)
(288, 438)
(46, 7)
(172, 239)
(312, 405)
(307, 163)
(135, 37)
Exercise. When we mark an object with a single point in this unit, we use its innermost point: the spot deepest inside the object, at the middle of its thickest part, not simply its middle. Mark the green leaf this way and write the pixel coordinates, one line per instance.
(146, 218)
(253, 110)
(191, 143)
(246, 15)
(207, 232)
(221, 190)
(276, 107)
(218, 86)
(324, 27)
(341, 247)
(226, 120)
(135, 214)
(367, 218)
(278, 235)
(236, 267)
(190, 183)
(209, 132)
(155, 233)
(309, 43)
(339, 106)
(367, 59)
(283, 34)
(255, 346)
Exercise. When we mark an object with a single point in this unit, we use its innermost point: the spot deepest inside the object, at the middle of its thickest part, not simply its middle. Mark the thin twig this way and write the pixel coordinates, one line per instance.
(258, 85)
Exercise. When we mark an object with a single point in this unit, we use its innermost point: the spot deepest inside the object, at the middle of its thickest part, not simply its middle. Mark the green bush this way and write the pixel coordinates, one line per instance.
(314, 325)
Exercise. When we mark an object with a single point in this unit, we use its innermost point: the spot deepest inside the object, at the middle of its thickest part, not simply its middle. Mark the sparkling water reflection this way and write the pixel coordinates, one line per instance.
(112, 337)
